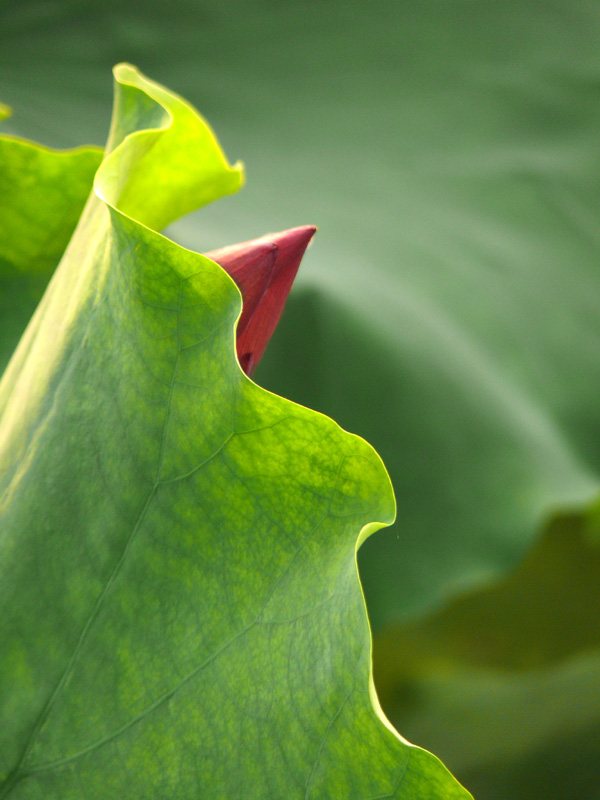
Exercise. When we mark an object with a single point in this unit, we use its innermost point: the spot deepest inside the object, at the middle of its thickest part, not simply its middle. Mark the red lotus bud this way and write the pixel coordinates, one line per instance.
(264, 270)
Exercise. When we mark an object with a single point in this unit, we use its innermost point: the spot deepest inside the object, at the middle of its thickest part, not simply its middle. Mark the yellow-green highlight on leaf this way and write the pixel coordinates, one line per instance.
(168, 182)
(182, 615)
(5, 111)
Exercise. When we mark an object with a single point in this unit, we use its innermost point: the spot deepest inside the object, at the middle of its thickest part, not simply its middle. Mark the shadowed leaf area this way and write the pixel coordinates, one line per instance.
(182, 615)
(513, 667)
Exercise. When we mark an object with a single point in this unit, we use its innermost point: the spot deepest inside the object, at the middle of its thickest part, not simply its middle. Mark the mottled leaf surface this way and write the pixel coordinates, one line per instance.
(182, 615)
(449, 155)
(449, 314)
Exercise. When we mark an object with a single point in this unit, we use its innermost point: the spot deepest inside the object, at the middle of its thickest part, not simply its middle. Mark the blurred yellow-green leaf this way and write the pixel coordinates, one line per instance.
(513, 667)
(42, 194)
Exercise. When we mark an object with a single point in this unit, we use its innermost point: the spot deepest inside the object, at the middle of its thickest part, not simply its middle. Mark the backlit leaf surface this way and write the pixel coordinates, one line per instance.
(449, 314)
(182, 615)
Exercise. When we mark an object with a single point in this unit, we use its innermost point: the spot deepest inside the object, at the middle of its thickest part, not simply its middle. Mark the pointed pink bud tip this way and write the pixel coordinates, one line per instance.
(264, 270)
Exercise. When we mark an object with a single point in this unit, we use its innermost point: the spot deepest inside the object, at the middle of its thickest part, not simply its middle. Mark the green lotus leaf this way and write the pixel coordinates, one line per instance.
(453, 171)
(449, 311)
(182, 615)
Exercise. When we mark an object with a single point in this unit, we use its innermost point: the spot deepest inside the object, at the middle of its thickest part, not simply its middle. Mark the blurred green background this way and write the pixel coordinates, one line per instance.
(448, 312)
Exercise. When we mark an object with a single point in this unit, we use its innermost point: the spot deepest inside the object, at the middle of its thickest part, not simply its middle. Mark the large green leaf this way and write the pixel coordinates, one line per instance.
(449, 155)
(182, 615)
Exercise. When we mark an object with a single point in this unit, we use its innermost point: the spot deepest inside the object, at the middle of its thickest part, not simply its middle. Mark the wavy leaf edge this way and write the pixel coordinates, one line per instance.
(107, 190)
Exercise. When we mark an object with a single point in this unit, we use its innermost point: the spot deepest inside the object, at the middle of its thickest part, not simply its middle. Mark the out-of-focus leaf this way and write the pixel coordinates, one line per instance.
(518, 734)
(182, 615)
(513, 669)
(544, 612)
(42, 194)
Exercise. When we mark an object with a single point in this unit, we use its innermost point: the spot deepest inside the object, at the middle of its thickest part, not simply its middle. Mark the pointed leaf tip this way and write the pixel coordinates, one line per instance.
(264, 270)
